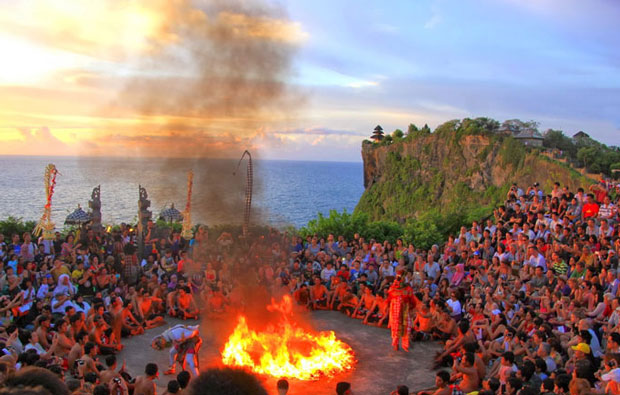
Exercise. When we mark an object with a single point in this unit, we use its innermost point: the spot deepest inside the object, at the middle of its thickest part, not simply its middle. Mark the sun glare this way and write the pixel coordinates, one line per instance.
(27, 63)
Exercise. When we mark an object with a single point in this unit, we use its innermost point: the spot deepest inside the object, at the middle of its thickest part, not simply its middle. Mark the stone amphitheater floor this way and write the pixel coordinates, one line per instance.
(378, 370)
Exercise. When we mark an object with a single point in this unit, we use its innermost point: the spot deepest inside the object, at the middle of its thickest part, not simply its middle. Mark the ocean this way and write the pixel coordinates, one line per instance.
(285, 192)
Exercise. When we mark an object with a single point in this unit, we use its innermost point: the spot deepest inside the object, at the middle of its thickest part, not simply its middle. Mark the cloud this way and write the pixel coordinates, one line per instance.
(206, 75)
(318, 132)
(32, 141)
(435, 18)
(433, 21)
(85, 78)
(265, 27)
(188, 144)
(318, 140)
(116, 30)
(101, 29)
(582, 16)
(362, 84)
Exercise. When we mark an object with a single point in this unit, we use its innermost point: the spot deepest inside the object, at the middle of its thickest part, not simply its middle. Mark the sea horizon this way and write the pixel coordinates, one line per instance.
(286, 192)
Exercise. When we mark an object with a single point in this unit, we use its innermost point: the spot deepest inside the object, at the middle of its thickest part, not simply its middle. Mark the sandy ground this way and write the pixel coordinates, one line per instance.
(378, 371)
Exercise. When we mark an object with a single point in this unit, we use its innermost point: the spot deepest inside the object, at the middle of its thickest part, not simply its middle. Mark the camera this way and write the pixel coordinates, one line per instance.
(80, 362)
(117, 380)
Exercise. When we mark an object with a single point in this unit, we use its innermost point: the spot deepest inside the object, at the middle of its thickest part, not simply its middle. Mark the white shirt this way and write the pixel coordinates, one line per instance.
(455, 305)
(538, 260)
(39, 348)
(84, 309)
(42, 292)
(61, 309)
(180, 332)
(386, 271)
(597, 351)
(326, 274)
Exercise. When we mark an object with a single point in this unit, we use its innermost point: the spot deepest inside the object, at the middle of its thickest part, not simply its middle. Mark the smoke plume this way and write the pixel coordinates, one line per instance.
(214, 76)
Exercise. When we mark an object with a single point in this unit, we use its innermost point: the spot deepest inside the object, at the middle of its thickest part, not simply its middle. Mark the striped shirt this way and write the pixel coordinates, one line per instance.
(560, 267)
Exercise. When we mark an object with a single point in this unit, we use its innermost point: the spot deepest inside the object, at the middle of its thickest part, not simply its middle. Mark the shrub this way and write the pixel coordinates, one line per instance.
(422, 233)
(13, 225)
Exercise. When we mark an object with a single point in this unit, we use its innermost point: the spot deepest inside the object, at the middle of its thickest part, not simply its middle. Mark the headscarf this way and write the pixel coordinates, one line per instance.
(62, 289)
(459, 275)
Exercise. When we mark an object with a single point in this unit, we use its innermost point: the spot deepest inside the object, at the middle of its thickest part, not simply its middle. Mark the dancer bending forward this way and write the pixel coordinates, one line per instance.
(185, 341)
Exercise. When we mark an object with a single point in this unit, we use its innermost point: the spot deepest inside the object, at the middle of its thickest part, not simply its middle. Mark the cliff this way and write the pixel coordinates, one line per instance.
(460, 172)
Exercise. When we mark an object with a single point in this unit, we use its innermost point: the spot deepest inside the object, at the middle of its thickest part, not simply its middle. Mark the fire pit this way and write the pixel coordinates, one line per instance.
(286, 350)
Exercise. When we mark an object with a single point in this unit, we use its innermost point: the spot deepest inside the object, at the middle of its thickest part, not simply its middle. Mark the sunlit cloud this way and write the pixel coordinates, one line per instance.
(32, 141)
(120, 77)
(25, 62)
(318, 132)
(107, 78)
(362, 84)
(109, 29)
(315, 75)
(266, 28)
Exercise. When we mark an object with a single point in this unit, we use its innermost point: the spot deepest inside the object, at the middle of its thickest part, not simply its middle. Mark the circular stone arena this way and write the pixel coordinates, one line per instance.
(378, 370)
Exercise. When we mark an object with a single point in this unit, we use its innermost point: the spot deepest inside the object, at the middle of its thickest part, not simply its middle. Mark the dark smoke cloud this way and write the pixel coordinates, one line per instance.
(216, 73)
(232, 61)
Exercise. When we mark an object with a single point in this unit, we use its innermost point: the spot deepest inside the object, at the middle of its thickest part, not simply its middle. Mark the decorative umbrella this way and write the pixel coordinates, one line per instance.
(77, 217)
(171, 214)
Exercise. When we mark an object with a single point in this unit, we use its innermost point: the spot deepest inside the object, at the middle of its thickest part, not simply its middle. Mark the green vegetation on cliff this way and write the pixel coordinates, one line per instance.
(584, 152)
(437, 181)
(422, 232)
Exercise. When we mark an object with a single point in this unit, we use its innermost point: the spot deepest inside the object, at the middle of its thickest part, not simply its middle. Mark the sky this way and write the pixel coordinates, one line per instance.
(304, 80)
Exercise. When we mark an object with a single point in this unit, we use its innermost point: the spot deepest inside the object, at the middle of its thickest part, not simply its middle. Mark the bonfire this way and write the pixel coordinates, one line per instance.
(286, 350)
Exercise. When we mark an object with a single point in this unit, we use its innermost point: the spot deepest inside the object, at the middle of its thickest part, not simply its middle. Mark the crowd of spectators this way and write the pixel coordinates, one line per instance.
(526, 301)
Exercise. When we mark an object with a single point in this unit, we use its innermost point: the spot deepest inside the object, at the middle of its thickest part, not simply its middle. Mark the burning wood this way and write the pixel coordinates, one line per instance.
(287, 350)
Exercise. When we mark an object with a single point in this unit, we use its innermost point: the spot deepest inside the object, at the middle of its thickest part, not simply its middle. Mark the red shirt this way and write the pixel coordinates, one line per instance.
(181, 265)
(590, 210)
(344, 274)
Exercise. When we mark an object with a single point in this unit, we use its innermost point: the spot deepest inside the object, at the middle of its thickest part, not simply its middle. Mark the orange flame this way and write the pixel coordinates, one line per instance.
(287, 350)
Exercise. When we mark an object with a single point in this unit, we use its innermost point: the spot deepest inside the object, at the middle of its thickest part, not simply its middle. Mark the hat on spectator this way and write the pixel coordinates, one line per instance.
(612, 375)
(583, 347)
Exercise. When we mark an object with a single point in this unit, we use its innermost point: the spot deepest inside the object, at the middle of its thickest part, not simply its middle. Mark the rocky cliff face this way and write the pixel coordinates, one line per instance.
(452, 172)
